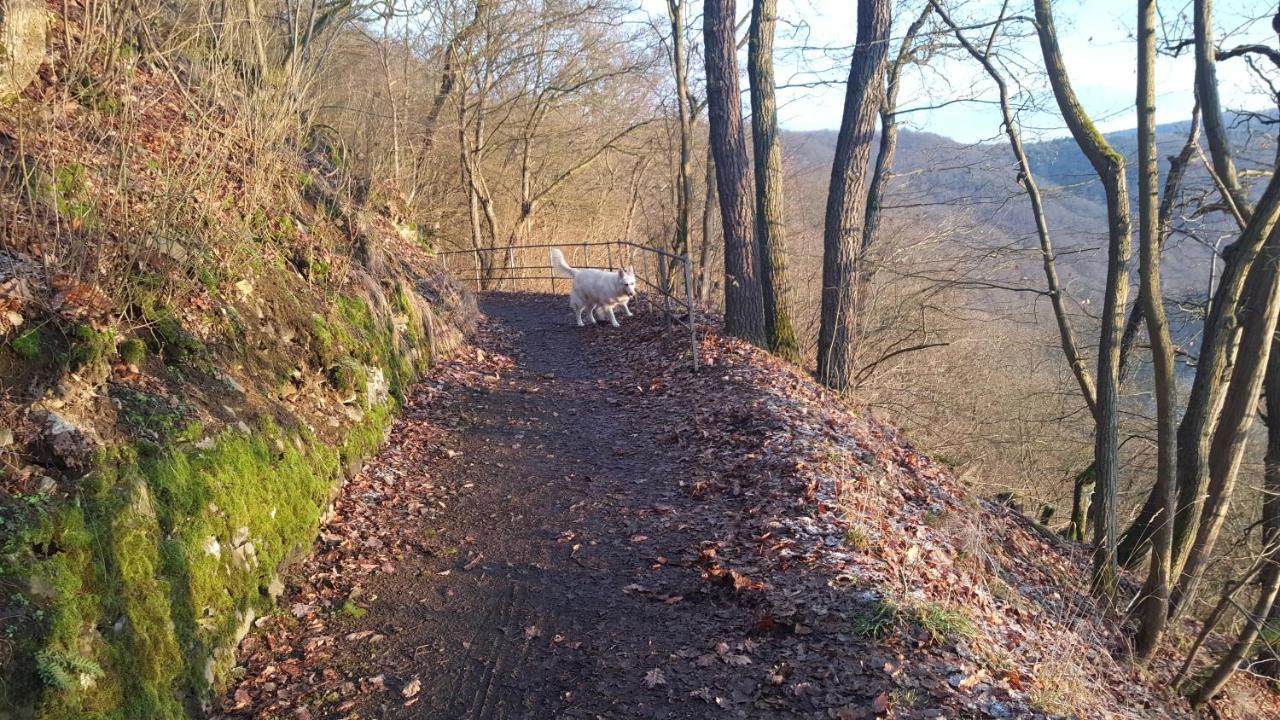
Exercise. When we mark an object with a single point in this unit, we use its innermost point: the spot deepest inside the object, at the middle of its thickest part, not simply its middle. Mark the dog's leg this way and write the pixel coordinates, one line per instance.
(577, 311)
(626, 308)
(613, 320)
(591, 313)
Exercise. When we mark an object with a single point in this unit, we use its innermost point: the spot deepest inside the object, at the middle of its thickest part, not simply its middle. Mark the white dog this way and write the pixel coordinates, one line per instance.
(596, 291)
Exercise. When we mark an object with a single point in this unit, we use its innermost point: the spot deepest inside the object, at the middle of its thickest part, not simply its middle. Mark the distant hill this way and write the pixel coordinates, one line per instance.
(941, 181)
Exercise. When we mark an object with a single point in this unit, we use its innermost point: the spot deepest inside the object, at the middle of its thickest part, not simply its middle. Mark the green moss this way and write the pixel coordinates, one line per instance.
(110, 601)
(154, 570)
(97, 96)
(71, 197)
(349, 376)
(365, 438)
(148, 573)
(91, 347)
(375, 341)
(154, 417)
(176, 344)
(352, 610)
(132, 351)
(323, 344)
(28, 345)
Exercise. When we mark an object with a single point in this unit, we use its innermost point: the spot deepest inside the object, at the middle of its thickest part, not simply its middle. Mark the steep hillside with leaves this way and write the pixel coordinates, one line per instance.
(201, 336)
(569, 522)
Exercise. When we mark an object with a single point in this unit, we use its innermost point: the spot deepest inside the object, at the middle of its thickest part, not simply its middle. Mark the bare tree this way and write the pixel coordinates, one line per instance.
(1269, 654)
(743, 303)
(846, 199)
(684, 103)
(1153, 602)
(1110, 167)
(770, 226)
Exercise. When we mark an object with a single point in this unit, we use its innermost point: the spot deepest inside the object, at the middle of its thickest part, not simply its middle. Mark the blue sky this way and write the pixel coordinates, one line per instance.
(1096, 38)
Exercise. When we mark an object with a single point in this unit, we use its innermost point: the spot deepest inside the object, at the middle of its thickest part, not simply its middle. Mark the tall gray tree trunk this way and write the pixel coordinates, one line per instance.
(1153, 601)
(684, 181)
(743, 304)
(1270, 655)
(1217, 349)
(1263, 611)
(770, 226)
(846, 197)
(1134, 540)
(1110, 167)
(1258, 315)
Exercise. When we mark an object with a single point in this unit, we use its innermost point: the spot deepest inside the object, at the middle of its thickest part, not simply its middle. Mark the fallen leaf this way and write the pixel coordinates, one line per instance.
(411, 688)
(654, 678)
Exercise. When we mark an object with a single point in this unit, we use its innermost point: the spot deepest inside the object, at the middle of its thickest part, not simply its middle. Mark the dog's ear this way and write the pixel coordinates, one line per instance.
(631, 270)
(621, 274)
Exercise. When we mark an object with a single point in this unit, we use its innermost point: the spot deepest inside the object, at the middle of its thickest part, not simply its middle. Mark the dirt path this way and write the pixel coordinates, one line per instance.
(544, 561)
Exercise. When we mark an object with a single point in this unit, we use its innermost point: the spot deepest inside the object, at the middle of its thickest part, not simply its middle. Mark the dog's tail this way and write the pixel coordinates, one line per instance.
(559, 266)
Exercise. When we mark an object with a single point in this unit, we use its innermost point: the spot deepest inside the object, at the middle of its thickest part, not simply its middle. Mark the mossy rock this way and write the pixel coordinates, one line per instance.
(349, 377)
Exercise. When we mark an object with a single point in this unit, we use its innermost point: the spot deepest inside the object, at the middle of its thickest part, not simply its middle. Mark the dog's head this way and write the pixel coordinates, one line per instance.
(627, 281)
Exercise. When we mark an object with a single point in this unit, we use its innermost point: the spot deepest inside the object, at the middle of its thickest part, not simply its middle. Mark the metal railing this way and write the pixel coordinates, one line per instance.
(528, 266)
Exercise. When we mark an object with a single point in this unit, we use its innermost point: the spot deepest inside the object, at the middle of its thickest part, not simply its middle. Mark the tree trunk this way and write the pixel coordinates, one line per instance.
(449, 73)
(1264, 609)
(1081, 496)
(1217, 350)
(888, 138)
(708, 227)
(1261, 304)
(684, 181)
(1109, 165)
(770, 228)
(1207, 89)
(846, 198)
(743, 306)
(1134, 540)
(1153, 602)
(1220, 325)
(1269, 657)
